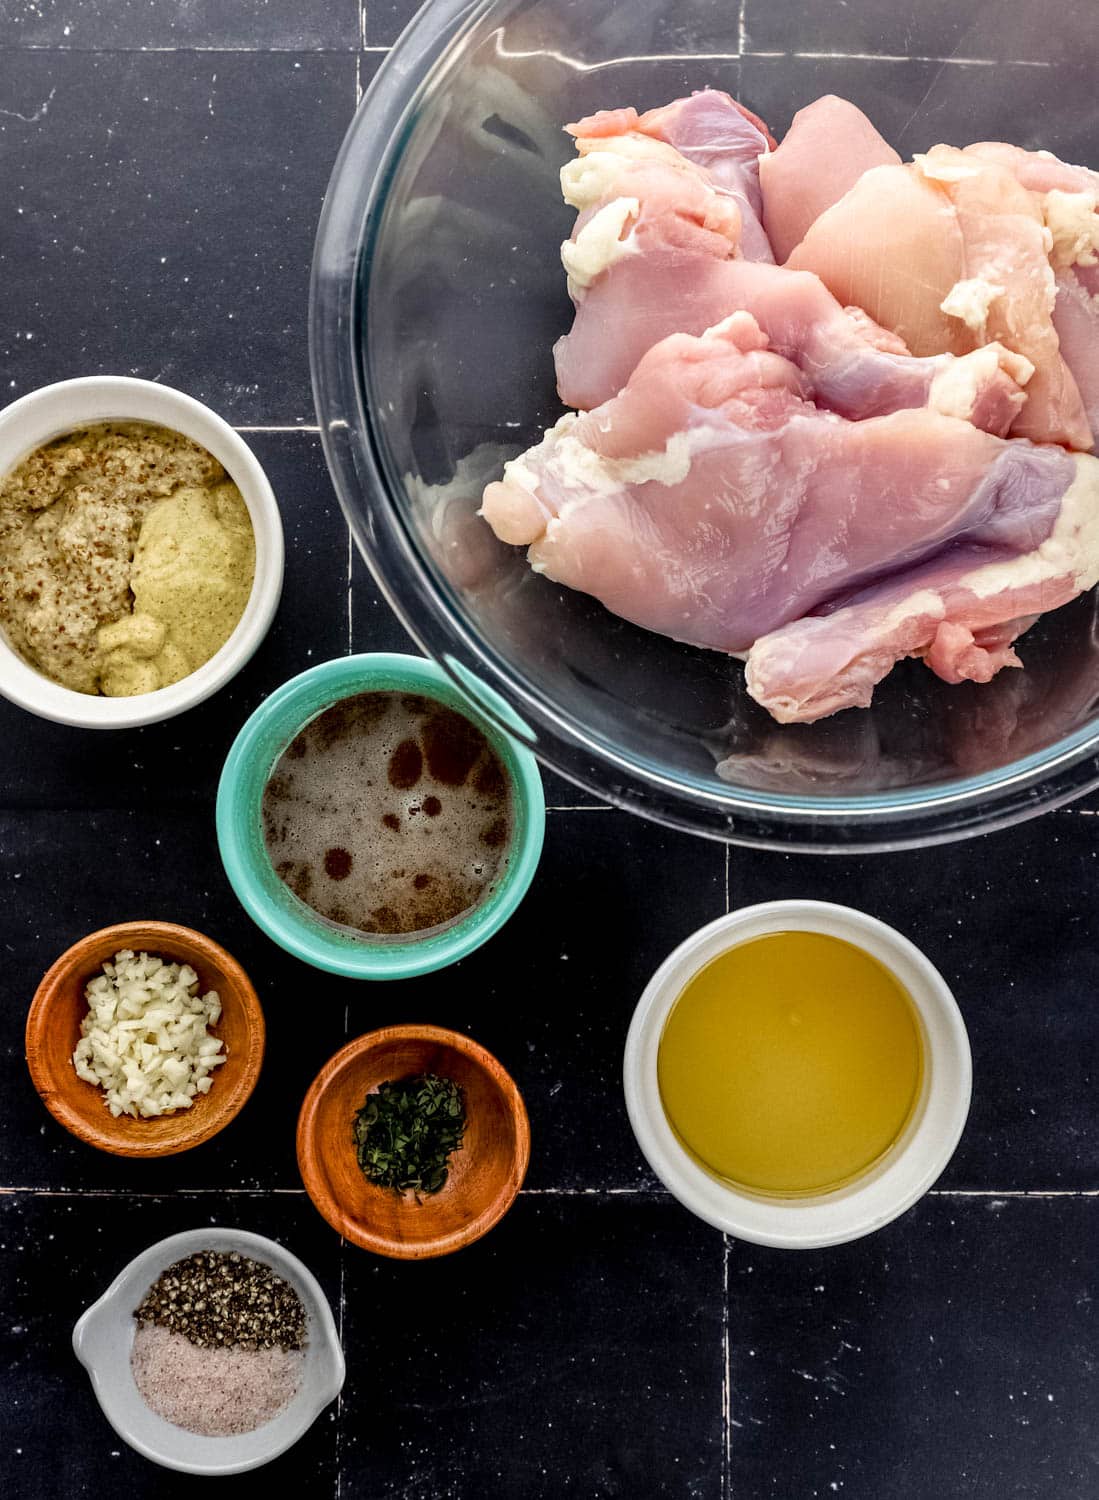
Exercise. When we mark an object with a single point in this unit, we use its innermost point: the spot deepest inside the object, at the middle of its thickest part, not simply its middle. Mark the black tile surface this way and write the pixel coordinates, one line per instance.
(384, 20)
(580, 1355)
(167, 871)
(375, 628)
(1009, 921)
(160, 217)
(248, 24)
(950, 1355)
(552, 998)
(564, 1048)
(178, 762)
(159, 214)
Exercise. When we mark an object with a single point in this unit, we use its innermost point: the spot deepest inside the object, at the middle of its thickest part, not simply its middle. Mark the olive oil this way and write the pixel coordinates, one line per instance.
(791, 1063)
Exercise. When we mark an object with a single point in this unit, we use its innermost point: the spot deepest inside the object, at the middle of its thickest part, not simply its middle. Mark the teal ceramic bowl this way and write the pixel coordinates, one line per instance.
(289, 921)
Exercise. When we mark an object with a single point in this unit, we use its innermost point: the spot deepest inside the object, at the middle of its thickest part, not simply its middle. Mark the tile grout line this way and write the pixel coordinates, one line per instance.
(1013, 1193)
(283, 1192)
(351, 633)
(339, 1397)
(555, 807)
(192, 1192)
(593, 1192)
(761, 54)
(742, 27)
(280, 427)
(14, 1189)
(350, 645)
(29, 807)
(897, 57)
(287, 50)
(726, 1381)
(728, 849)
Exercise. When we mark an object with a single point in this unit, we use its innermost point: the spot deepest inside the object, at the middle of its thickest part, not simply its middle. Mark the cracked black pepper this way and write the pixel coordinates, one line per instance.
(220, 1298)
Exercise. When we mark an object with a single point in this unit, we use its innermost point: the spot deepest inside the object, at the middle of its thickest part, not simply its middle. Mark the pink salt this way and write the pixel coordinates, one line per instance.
(212, 1392)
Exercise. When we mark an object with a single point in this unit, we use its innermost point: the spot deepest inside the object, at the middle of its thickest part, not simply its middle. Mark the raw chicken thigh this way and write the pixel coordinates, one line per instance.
(799, 180)
(712, 501)
(708, 131)
(1068, 197)
(960, 612)
(807, 464)
(678, 270)
(949, 252)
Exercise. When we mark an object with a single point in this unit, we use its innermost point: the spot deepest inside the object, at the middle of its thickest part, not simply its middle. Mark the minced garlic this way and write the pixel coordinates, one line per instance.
(144, 1040)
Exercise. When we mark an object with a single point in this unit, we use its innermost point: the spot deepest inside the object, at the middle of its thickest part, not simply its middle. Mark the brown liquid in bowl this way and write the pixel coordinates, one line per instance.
(389, 813)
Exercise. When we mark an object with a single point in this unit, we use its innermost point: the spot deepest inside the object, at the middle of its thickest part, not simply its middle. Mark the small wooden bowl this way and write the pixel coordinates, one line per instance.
(53, 1030)
(485, 1173)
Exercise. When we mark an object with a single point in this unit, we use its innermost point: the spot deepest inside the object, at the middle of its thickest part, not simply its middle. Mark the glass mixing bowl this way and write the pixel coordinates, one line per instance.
(437, 296)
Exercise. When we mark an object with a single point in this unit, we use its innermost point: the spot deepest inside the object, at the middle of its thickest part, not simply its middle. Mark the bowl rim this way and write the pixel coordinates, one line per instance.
(308, 1151)
(279, 717)
(162, 1254)
(893, 1184)
(357, 459)
(100, 1135)
(51, 411)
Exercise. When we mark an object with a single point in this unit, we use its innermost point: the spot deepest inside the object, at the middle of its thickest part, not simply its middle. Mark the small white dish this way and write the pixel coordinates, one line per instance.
(54, 410)
(103, 1337)
(908, 1168)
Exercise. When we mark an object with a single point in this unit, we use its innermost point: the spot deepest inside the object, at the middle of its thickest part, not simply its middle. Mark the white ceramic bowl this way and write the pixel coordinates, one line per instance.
(103, 1337)
(906, 1171)
(56, 409)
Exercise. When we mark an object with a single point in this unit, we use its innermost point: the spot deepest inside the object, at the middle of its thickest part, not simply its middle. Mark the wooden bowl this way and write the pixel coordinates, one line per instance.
(485, 1173)
(53, 1030)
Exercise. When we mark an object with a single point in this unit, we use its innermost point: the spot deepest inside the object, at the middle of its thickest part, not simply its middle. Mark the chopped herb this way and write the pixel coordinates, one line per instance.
(406, 1131)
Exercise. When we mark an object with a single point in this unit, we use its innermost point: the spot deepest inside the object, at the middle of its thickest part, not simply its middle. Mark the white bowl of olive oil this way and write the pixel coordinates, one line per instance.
(797, 1074)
